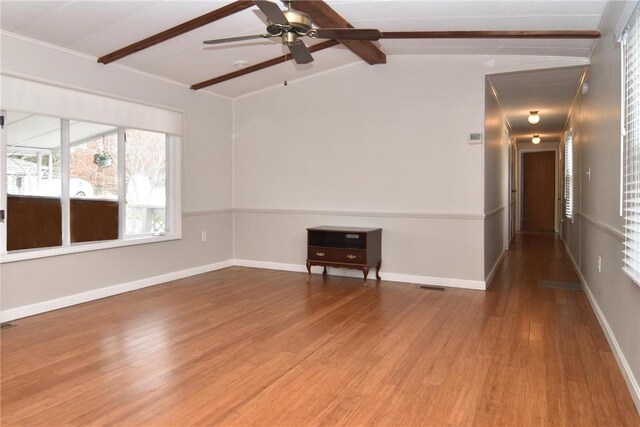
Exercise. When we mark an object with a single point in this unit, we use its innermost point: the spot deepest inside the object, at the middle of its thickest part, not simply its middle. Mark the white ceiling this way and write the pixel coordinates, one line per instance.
(551, 92)
(99, 27)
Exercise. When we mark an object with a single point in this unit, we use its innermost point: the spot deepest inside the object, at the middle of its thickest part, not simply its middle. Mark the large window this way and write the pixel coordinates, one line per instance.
(68, 182)
(631, 148)
(568, 175)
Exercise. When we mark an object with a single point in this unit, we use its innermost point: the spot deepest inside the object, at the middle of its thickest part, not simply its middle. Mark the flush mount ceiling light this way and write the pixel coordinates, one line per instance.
(534, 117)
(240, 64)
(536, 139)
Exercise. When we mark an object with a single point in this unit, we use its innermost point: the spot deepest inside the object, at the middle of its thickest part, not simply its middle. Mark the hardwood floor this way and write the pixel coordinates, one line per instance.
(245, 346)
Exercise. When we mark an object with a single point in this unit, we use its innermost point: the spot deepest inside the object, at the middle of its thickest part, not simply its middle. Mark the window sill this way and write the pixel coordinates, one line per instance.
(632, 274)
(29, 254)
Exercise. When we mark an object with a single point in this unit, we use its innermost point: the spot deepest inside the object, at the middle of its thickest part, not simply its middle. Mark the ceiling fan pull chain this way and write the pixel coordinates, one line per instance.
(285, 59)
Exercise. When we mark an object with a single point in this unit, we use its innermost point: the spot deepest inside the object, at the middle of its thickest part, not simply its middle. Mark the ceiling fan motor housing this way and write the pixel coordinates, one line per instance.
(300, 23)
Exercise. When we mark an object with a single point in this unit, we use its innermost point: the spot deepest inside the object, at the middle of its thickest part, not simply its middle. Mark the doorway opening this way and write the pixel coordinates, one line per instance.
(538, 184)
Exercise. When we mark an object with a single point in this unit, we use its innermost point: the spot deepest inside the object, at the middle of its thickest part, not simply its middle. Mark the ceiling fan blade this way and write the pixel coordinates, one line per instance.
(237, 39)
(347, 34)
(272, 11)
(300, 53)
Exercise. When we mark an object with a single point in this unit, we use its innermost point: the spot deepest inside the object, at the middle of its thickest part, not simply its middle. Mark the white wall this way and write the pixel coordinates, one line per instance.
(206, 181)
(597, 229)
(496, 180)
(377, 146)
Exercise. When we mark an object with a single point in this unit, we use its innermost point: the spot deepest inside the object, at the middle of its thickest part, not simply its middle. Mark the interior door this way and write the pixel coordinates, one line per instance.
(539, 184)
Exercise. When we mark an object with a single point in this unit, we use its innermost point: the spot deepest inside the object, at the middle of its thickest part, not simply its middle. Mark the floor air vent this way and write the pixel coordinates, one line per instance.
(432, 288)
(567, 286)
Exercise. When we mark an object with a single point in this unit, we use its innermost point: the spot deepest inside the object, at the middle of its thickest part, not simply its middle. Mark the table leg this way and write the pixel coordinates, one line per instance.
(324, 272)
(365, 270)
(378, 270)
(309, 267)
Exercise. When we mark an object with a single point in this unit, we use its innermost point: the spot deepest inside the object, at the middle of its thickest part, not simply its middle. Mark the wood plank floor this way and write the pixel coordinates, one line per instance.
(245, 346)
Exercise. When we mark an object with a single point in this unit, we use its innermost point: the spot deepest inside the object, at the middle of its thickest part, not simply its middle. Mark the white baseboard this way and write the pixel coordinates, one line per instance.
(55, 304)
(300, 268)
(494, 269)
(394, 277)
(627, 373)
(67, 301)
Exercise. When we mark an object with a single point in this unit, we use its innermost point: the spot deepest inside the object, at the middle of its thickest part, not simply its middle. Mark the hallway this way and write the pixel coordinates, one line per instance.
(560, 366)
(245, 346)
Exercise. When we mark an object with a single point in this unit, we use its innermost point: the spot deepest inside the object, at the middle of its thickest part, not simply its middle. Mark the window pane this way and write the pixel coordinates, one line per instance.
(33, 181)
(145, 172)
(93, 184)
(33, 155)
(93, 161)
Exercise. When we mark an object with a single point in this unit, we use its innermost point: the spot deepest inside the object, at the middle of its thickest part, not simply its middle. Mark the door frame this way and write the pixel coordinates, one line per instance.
(508, 159)
(512, 189)
(520, 185)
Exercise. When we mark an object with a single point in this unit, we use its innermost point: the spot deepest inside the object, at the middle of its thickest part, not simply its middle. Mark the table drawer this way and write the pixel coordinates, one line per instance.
(347, 256)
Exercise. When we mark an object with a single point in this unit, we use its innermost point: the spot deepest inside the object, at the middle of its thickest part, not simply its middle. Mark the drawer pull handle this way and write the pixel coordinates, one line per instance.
(352, 256)
(320, 253)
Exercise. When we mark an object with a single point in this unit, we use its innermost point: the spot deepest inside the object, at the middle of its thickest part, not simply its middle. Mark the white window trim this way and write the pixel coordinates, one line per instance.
(173, 186)
(623, 132)
(3, 188)
(27, 254)
(173, 208)
(65, 164)
(624, 18)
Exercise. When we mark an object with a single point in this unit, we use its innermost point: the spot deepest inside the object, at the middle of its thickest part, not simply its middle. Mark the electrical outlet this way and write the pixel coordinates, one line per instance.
(203, 236)
(599, 264)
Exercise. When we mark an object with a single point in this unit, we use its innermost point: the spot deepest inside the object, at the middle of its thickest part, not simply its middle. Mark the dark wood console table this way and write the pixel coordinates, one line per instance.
(345, 247)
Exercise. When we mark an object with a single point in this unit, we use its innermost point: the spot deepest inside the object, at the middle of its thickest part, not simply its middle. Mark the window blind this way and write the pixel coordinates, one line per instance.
(568, 175)
(631, 148)
(40, 98)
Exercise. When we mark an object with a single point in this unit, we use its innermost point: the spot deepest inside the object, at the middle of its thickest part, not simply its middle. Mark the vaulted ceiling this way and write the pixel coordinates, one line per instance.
(97, 28)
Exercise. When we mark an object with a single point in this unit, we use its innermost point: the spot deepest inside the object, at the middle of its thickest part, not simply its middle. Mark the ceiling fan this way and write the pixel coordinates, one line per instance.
(292, 24)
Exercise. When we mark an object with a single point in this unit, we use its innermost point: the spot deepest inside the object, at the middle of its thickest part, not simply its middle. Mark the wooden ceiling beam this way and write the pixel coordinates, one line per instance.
(257, 67)
(324, 16)
(490, 35)
(185, 27)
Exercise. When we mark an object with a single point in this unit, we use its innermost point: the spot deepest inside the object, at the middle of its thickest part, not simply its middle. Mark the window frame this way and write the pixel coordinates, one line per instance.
(173, 208)
(568, 175)
(630, 150)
